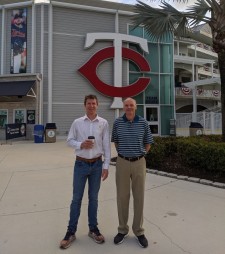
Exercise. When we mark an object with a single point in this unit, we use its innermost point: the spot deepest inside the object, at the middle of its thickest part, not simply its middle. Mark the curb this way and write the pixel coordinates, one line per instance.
(186, 178)
(181, 177)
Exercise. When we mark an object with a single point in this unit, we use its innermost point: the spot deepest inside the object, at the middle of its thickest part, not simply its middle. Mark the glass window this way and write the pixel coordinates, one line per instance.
(140, 110)
(136, 48)
(153, 57)
(19, 116)
(152, 90)
(166, 59)
(166, 89)
(152, 114)
(167, 38)
(154, 128)
(139, 98)
(138, 31)
(132, 65)
(149, 37)
(3, 117)
(167, 113)
(133, 78)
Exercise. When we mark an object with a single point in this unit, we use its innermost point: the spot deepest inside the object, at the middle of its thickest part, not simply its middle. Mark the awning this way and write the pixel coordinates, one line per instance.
(17, 88)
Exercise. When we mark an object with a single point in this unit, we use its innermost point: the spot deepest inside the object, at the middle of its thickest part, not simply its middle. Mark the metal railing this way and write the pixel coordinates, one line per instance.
(211, 122)
(201, 93)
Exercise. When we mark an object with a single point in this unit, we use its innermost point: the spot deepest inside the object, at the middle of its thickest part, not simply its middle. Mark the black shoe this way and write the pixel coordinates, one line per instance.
(119, 238)
(142, 240)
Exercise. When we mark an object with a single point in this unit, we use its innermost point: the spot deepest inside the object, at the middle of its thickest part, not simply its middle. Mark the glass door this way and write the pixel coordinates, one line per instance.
(152, 116)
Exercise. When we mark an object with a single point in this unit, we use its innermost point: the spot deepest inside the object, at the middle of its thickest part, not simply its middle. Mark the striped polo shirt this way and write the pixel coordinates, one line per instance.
(131, 137)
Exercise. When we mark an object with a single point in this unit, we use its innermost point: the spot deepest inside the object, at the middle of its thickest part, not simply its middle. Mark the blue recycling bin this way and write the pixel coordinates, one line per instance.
(38, 133)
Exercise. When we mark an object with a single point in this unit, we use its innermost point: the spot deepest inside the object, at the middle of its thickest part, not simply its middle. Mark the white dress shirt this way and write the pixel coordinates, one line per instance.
(83, 127)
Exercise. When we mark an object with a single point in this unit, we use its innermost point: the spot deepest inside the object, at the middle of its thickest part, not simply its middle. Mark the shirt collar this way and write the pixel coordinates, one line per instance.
(86, 118)
(135, 120)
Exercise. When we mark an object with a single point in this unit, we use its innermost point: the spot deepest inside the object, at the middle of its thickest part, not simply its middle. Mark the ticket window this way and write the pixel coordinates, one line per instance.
(152, 116)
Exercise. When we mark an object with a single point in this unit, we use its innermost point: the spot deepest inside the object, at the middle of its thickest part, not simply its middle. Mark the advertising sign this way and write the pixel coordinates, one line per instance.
(18, 41)
(15, 130)
(30, 116)
(3, 118)
(20, 116)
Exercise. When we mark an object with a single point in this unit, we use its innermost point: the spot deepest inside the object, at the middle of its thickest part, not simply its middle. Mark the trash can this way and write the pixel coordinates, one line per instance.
(195, 129)
(38, 133)
(50, 133)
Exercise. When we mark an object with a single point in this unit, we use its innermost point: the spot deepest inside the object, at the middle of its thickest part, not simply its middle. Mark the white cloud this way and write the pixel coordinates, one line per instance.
(123, 1)
(156, 3)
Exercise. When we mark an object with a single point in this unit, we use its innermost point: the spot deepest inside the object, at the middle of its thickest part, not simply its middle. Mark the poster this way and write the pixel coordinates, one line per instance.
(19, 116)
(18, 41)
(30, 116)
(3, 118)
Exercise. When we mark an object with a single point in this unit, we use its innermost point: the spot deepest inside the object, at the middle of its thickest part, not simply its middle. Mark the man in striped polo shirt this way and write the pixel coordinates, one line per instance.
(132, 137)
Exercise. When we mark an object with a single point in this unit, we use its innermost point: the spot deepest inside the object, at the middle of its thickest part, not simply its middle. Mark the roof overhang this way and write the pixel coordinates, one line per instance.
(207, 84)
(200, 36)
(192, 60)
(17, 88)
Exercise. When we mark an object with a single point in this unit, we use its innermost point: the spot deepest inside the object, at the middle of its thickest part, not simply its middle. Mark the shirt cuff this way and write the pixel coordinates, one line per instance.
(105, 166)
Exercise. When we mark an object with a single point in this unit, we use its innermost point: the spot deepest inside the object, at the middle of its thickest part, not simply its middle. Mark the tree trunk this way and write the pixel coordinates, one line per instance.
(221, 60)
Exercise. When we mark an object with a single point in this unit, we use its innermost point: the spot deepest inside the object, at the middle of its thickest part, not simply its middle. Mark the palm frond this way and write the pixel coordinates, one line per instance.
(199, 11)
(158, 22)
(184, 1)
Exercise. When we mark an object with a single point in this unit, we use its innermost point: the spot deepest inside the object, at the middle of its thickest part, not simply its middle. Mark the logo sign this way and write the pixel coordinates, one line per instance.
(117, 52)
(51, 133)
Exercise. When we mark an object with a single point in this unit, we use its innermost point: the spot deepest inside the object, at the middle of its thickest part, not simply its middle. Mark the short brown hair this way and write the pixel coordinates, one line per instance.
(91, 97)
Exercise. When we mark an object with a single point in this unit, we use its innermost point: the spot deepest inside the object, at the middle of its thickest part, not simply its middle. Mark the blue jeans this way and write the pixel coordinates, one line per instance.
(84, 171)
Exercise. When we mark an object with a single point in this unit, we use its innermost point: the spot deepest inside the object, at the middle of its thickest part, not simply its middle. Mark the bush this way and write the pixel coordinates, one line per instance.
(202, 154)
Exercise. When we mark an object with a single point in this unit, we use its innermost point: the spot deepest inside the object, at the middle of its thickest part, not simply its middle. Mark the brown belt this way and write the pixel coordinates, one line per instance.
(78, 158)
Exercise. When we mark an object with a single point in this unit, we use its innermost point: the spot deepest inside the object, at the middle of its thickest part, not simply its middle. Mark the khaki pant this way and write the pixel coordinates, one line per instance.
(130, 175)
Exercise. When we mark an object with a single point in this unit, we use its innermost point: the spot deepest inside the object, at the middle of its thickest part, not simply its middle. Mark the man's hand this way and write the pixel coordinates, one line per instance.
(105, 174)
(87, 144)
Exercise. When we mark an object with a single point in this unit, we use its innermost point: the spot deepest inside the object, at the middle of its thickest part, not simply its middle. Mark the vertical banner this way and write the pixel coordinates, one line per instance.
(30, 116)
(18, 41)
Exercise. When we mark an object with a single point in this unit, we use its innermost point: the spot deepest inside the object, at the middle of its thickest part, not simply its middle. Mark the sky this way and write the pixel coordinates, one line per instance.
(156, 3)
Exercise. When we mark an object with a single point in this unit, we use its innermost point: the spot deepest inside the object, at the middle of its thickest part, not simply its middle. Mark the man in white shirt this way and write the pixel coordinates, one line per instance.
(89, 136)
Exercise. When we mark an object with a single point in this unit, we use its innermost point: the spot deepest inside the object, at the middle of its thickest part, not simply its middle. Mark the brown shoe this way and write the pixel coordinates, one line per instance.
(96, 235)
(67, 240)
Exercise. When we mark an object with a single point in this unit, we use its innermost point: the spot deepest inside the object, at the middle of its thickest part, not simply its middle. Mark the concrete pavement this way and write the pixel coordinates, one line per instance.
(35, 194)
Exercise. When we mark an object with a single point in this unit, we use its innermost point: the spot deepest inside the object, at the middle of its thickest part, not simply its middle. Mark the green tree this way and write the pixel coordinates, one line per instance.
(159, 21)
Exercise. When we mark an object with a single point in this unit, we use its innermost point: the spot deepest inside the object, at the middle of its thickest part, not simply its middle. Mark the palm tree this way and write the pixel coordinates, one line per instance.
(159, 22)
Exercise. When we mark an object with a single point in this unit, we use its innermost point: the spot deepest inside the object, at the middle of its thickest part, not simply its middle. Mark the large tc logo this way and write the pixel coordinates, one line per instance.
(89, 69)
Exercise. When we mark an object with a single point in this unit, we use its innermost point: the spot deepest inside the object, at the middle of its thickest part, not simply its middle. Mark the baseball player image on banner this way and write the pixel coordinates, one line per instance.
(18, 41)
